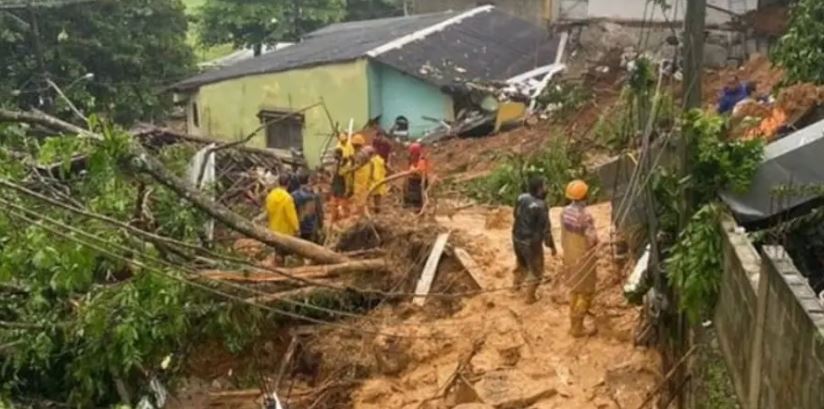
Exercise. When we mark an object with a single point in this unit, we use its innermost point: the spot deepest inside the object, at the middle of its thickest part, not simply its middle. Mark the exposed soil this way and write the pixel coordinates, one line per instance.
(512, 355)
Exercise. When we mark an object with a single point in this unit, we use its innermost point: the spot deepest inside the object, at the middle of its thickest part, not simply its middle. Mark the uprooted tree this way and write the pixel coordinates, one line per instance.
(100, 261)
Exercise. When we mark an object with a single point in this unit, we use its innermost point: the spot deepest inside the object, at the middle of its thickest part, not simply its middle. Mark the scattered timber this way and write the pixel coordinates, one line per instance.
(429, 270)
(307, 273)
(144, 162)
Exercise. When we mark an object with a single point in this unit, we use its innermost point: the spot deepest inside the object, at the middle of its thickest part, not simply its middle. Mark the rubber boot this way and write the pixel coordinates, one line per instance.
(531, 290)
(576, 318)
(517, 278)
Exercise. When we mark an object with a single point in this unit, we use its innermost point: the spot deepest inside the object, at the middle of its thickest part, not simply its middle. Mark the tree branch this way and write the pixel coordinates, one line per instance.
(142, 161)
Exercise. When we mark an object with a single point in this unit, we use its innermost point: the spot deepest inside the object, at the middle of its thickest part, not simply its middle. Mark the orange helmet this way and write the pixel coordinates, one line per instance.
(577, 190)
(358, 139)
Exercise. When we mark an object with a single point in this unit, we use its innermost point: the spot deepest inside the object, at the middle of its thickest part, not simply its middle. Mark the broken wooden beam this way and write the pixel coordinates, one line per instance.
(307, 273)
(471, 267)
(429, 270)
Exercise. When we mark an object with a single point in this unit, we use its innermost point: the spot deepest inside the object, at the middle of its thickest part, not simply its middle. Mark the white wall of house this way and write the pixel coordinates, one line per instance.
(641, 10)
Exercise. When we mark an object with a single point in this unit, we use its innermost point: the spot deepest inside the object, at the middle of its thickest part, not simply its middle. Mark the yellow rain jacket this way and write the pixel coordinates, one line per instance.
(579, 241)
(378, 175)
(348, 155)
(280, 208)
(361, 179)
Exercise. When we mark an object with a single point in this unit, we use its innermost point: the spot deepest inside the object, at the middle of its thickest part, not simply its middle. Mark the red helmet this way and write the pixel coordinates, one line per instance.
(415, 149)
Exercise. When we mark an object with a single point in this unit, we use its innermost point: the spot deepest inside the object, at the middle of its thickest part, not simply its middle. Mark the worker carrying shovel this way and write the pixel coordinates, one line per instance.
(530, 233)
(579, 241)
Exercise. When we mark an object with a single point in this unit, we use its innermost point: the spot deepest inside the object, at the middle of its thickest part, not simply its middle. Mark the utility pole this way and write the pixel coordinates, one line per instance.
(694, 37)
(694, 24)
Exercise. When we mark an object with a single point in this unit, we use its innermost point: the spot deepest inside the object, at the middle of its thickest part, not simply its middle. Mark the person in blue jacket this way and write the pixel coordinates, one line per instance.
(734, 92)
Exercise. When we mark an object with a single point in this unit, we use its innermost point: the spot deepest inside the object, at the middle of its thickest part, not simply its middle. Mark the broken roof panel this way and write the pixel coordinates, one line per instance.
(488, 45)
(441, 48)
(793, 161)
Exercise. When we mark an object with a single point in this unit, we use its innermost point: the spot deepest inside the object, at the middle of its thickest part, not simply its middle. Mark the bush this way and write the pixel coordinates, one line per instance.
(799, 51)
(557, 163)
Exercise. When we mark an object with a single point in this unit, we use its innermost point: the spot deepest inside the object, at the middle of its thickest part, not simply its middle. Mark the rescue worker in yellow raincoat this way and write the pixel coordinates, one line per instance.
(346, 147)
(281, 212)
(579, 241)
(361, 172)
(378, 175)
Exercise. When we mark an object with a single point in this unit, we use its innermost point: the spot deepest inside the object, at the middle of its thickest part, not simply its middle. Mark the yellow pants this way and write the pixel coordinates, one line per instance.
(579, 305)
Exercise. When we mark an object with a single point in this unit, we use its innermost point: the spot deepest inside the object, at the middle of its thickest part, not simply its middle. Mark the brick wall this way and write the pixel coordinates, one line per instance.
(735, 315)
(770, 327)
(793, 352)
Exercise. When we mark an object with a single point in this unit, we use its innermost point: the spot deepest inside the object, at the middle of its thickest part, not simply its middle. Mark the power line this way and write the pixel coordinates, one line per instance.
(241, 262)
(208, 289)
(21, 4)
(576, 276)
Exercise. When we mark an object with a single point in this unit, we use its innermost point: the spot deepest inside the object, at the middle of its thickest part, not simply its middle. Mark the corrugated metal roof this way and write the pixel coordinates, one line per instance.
(440, 48)
(791, 162)
(335, 43)
(486, 46)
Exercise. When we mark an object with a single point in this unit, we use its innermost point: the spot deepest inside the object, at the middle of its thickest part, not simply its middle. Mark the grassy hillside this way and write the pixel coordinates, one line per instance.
(203, 53)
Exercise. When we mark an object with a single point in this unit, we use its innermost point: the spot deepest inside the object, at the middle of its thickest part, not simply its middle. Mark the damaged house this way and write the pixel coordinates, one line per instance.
(362, 71)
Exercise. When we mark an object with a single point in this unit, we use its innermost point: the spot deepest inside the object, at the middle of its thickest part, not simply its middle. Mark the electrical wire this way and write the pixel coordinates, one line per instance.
(245, 263)
(216, 292)
(588, 257)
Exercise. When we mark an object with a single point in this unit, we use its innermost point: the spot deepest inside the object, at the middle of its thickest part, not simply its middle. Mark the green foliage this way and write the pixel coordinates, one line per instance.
(133, 48)
(694, 265)
(253, 23)
(565, 97)
(620, 129)
(719, 164)
(90, 317)
(357, 10)
(558, 164)
(799, 51)
(694, 261)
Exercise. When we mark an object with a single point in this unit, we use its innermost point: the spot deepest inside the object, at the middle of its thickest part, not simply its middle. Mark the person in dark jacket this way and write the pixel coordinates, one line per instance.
(309, 208)
(530, 232)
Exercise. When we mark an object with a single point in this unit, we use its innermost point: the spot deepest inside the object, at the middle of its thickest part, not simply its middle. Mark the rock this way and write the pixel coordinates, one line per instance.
(510, 356)
(473, 406)
(511, 389)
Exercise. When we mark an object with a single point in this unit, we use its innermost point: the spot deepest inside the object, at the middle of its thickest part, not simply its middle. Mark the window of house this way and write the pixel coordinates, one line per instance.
(284, 129)
(195, 115)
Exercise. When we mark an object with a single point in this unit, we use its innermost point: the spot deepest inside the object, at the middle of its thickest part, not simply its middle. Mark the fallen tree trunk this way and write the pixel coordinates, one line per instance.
(142, 161)
(149, 164)
(309, 272)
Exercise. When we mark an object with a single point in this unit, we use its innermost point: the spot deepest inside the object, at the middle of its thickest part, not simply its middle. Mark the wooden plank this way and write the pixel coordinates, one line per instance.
(472, 268)
(429, 269)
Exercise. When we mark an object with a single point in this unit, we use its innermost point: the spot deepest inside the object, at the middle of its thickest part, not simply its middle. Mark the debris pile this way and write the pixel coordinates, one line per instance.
(753, 119)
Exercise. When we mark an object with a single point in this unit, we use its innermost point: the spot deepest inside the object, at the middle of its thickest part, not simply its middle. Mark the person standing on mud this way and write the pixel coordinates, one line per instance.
(579, 240)
(530, 233)
(339, 204)
(417, 183)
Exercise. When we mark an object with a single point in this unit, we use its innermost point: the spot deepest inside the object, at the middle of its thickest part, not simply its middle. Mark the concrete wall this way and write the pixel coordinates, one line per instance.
(770, 327)
(536, 11)
(229, 109)
(401, 94)
(792, 364)
(635, 9)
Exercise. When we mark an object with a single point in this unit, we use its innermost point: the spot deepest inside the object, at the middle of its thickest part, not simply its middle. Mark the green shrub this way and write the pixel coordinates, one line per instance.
(558, 163)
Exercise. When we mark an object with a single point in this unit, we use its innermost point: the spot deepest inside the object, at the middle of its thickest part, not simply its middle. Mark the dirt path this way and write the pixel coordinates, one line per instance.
(524, 357)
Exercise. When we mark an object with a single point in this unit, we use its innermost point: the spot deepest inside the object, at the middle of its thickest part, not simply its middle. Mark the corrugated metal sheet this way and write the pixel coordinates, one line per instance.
(794, 161)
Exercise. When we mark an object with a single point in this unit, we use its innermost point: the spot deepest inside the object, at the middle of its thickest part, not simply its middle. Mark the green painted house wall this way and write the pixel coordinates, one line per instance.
(393, 93)
(229, 109)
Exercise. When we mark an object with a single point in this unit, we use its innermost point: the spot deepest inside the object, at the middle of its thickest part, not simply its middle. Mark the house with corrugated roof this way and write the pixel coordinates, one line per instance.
(361, 71)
